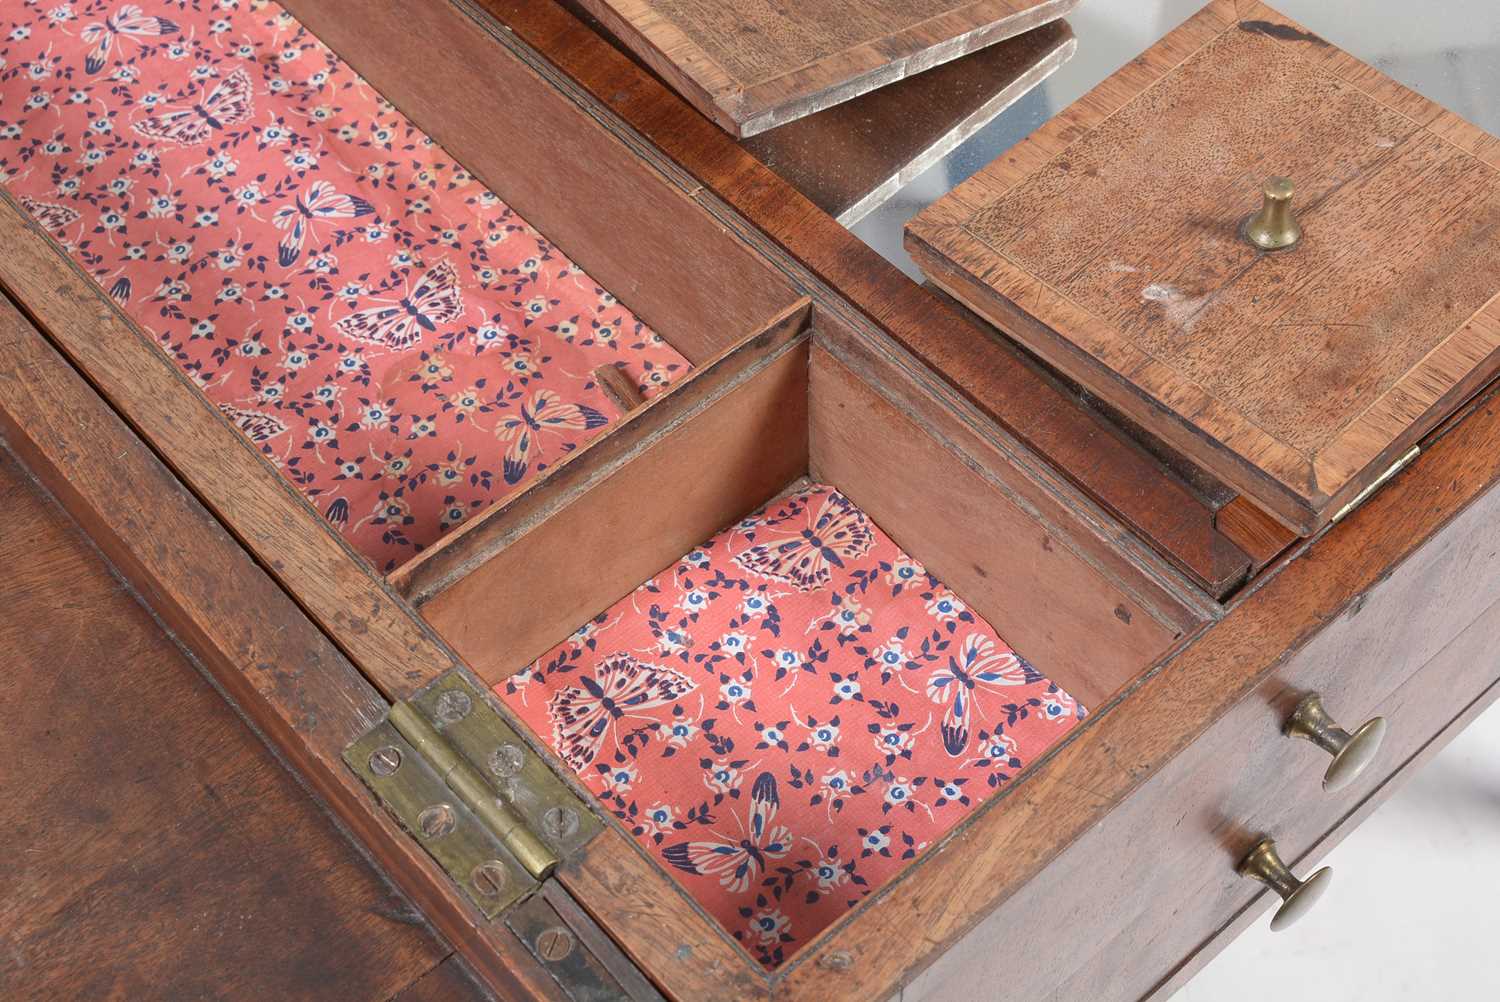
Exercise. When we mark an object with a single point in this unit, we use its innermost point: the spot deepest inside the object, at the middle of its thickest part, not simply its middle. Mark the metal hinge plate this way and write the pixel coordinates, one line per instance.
(485, 806)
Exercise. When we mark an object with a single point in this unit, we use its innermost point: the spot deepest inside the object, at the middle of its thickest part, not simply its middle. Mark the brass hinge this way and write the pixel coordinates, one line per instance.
(488, 809)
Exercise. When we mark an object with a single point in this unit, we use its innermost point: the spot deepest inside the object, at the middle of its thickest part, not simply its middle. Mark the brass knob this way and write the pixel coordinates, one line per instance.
(1351, 752)
(1297, 896)
(1274, 227)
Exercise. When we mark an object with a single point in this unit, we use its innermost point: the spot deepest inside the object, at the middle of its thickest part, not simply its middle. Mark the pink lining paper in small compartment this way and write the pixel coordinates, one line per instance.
(403, 346)
(789, 715)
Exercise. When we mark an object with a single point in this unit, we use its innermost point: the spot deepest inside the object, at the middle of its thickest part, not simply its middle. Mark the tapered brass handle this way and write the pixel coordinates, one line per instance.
(1351, 752)
(1297, 896)
(1274, 227)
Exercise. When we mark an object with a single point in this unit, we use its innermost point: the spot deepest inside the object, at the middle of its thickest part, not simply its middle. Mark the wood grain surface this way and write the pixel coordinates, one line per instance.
(756, 64)
(851, 158)
(1109, 242)
(154, 847)
(1011, 389)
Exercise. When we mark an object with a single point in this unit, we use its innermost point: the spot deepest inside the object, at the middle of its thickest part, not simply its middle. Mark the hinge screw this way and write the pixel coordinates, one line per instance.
(507, 760)
(437, 821)
(554, 944)
(385, 761)
(453, 706)
(560, 822)
(489, 878)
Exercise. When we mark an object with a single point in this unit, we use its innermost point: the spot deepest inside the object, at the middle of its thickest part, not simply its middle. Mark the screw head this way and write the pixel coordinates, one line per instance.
(560, 822)
(554, 944)
(385, 760)
(507, 760)
(437, 821)
(489, 878)
(453, 706)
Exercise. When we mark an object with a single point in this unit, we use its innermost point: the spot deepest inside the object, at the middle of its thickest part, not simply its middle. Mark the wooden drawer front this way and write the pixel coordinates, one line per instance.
(1141, 891)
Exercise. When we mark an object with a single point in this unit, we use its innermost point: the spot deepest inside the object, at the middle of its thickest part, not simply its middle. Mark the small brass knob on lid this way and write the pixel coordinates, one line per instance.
(1297, 896)
(1274, 227)
(1351, 752)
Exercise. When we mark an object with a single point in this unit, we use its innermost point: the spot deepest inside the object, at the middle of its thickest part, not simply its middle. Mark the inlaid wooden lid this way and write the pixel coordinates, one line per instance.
(1112, 243)
(751, 65)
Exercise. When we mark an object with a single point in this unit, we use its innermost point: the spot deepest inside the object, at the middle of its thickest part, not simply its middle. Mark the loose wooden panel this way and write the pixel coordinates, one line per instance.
(630, 228)
(256, 643)
(756, 64)
(154, 847)
(852, 157)
(1109, 243)
(608, 536)
(1150, 804)
(871, 292)
(1016, 571)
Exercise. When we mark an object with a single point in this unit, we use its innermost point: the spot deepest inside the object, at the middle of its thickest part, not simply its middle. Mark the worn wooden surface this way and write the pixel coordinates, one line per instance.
(154, 848)
(1109, 242)
(851, 158)
(1011, 390)
(256, 643)
(756, 64)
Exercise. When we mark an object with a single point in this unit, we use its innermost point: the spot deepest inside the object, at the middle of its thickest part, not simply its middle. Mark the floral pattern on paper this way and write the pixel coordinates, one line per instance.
(789, 715)
(400, 343)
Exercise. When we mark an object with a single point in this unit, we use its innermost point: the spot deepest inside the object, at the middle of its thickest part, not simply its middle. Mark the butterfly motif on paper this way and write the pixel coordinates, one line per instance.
(978, 667)
(298, 218)
(400, 324)
(583, 715)
(257, 425)
(227, 104)
(737, 862)
(803, 557)
(129, 22)
(52, 216)
(545, 411)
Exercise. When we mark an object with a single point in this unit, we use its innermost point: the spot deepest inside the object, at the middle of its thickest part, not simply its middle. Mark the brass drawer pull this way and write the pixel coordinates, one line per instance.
(1297, 896)
(1274, 227)
(1351, 752)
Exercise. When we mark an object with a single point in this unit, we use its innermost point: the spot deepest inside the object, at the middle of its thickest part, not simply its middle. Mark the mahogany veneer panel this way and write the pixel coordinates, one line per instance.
(753, 64)
(1108, 242)
(154, 847)
(850, 158)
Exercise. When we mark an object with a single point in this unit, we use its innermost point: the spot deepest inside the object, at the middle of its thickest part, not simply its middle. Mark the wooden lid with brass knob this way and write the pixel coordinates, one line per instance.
(1274, 227)
(1351, 752)
(1297, 896)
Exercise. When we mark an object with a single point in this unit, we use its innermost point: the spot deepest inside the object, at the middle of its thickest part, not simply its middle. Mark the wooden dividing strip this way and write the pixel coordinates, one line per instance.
(622, 221)
(480, 538)
(391, 645)
(599, 540)
(256, 644)
(1253, 531)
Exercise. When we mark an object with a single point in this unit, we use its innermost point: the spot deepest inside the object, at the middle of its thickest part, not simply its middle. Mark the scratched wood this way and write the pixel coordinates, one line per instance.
(1109, 243)
(753, 64)
(154, 846)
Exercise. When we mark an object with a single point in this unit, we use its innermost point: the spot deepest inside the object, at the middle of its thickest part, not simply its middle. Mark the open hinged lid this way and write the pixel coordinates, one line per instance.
(751, 65)
(1113, 242)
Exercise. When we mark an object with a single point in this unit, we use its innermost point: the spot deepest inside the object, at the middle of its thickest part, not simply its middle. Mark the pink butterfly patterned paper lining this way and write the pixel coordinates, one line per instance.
(403, 345)
(789, 715)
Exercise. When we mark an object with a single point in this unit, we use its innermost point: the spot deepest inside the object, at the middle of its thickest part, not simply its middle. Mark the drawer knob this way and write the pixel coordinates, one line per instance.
(1274, 227)
(1351, 752)
(1297, 896)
